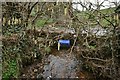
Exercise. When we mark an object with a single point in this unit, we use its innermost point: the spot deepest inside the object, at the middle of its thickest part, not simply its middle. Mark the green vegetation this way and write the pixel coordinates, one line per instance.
(11, 71)
(48, 50)
(42, 22)
(103, 16)
(108, 10)
(22, 47)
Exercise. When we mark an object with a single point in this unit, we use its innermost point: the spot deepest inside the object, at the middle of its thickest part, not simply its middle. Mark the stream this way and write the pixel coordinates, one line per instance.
(62, 64)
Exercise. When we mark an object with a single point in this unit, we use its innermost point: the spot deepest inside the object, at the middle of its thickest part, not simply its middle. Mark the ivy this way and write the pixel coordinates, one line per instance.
(11, 70)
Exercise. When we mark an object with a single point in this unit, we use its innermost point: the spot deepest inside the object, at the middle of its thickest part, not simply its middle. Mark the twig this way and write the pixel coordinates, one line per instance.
(98, 59)
(74, 41)
(38, 13)
(97, 65)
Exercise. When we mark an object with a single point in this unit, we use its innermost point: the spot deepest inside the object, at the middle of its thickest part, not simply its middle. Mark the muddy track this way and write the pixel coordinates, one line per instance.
(60, 64)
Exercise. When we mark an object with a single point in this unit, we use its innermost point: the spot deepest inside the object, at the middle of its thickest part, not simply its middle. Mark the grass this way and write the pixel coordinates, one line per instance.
(93, 16)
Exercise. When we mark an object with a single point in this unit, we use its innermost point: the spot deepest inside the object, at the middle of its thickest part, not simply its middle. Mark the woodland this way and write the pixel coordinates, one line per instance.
(30, 35)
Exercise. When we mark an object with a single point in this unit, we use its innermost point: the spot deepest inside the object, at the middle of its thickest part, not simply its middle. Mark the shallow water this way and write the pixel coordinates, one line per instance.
(63, 65)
